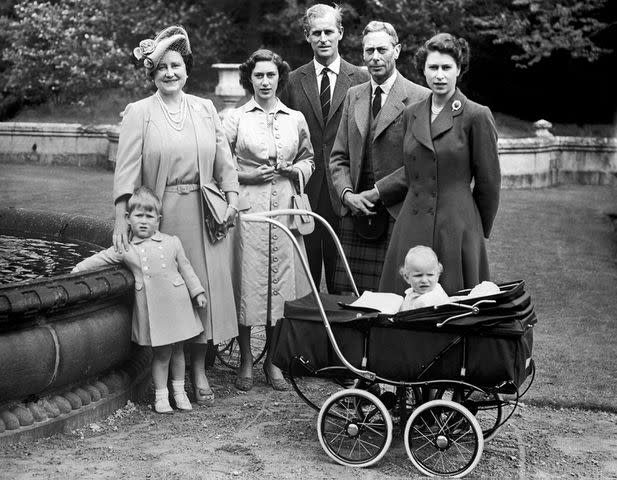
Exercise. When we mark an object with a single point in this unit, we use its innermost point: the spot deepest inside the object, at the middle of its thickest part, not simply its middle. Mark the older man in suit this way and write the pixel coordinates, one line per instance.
(366, 159)
(318, 89)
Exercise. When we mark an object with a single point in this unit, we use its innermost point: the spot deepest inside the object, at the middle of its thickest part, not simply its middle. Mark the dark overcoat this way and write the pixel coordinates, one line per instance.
(453, 173)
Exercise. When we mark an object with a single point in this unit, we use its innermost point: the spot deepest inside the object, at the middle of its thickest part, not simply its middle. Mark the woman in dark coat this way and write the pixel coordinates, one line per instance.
(453, 174)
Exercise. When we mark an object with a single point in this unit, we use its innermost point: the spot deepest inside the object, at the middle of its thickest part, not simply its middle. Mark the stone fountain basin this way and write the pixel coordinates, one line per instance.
(65, 350)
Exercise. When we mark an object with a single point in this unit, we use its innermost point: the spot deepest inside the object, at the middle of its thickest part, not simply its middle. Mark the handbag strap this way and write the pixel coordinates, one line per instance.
(300, 181)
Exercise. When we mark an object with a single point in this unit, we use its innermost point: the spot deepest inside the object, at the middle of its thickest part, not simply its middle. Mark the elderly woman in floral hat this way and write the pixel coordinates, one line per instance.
(172, 142)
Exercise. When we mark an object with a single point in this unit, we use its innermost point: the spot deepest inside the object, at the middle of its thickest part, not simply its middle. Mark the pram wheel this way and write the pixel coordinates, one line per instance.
(228, 353)
(354, 428)
(487, 407)
(443, 438)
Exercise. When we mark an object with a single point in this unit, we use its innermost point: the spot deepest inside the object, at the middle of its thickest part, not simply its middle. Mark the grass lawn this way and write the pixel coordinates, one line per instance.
(561, 241)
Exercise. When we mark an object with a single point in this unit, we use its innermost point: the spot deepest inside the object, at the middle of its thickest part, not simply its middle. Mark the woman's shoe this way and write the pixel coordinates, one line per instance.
(204, 397)
(244, 383)
(277, 383)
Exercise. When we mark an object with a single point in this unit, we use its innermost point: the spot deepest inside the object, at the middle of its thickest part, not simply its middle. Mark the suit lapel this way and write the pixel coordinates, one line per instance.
(445, 120)
(392, 108)
(309, 84)
(421, 126)
(362, 110)
(343, 82)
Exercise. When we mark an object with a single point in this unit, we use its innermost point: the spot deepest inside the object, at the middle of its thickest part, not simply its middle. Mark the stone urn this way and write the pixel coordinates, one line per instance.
(228, 89)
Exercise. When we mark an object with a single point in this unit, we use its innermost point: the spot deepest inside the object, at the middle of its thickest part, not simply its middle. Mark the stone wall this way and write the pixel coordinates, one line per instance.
(540, 161)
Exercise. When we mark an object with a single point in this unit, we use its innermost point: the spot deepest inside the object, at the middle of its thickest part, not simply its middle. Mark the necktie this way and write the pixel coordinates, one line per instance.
(324, 94)
(377, 102)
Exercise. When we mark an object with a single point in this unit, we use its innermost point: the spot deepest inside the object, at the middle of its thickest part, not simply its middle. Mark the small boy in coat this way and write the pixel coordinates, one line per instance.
(421, 271)
(163, 315)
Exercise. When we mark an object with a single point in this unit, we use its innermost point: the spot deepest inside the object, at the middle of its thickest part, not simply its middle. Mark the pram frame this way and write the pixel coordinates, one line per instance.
(429, 407)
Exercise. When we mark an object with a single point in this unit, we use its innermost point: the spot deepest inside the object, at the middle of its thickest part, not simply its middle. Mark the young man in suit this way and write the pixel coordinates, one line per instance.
(366, 159)
(317, 89)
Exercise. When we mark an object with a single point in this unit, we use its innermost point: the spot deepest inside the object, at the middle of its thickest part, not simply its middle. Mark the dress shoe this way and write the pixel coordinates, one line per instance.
(244, 383)
(277, 383)
(204, 397)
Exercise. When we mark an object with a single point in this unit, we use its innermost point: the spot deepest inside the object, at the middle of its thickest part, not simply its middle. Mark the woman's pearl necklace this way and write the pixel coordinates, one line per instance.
(436, 110)
(175, 119)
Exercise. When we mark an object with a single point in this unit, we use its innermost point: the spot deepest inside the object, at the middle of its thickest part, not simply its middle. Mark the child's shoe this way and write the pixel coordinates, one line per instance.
(161, 401)
(182, 400)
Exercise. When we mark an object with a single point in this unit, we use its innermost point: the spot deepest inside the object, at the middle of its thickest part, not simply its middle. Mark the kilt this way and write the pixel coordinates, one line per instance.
(365, 258)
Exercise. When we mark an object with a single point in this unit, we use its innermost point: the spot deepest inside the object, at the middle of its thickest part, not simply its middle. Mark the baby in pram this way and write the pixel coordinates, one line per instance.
(421, 271)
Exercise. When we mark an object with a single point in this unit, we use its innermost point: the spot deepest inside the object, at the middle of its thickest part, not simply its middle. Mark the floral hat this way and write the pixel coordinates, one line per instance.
(151, 51)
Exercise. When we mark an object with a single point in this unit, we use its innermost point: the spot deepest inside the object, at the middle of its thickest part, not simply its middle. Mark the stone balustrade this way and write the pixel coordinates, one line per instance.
(540, 161)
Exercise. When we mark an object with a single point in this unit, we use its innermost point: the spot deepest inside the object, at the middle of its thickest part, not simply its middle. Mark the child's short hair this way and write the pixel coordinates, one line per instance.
(420, 250)
(143, 197)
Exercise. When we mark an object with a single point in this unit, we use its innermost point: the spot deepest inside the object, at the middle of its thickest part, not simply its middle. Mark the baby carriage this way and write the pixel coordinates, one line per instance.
(451, 375)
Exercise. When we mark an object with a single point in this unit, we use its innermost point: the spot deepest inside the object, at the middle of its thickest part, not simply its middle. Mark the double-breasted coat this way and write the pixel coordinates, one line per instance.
(348, 151)
(267, 269)
(453, 173)
(146, 157)
(164, 285)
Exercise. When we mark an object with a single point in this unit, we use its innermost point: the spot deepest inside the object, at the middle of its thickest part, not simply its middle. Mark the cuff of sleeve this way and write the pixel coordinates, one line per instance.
(196, 291)
(345, 190)
(230, 187)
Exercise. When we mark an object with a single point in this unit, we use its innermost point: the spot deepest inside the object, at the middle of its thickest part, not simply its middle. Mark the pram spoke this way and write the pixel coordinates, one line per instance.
(443, 438)
(487, 407)
(354, 428)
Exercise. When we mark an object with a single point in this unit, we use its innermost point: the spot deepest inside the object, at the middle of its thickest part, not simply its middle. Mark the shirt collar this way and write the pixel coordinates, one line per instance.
(335, 66)
(385, 86)
(253, 105)
(157, 237)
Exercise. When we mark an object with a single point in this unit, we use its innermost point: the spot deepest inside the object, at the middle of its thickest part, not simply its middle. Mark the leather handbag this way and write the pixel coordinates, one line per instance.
(302, 224)
(215, 206)
(372, 227)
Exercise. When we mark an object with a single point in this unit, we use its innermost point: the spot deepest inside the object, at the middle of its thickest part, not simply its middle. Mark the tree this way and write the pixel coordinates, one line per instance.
(539, 28)
(63, 49)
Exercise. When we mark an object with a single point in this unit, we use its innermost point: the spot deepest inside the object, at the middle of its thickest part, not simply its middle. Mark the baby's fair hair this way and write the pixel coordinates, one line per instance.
(419, 251)
(144, 198)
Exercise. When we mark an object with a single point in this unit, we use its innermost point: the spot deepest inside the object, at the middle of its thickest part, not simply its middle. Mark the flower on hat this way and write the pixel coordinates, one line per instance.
(147, 46)
(456, 104)
(149, 64)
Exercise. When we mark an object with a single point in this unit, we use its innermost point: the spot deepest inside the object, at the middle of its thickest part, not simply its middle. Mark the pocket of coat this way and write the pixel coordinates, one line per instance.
(178, 281)
(139, 285)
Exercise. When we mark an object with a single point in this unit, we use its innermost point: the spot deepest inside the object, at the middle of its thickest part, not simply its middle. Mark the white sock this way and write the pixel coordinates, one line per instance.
(177, 386)
(160, 393)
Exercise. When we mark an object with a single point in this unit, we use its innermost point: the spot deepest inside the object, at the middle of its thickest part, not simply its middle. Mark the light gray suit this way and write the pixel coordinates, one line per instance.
(348, 151)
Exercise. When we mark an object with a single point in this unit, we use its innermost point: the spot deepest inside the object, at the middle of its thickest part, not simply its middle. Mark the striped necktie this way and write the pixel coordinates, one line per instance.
(324, 94)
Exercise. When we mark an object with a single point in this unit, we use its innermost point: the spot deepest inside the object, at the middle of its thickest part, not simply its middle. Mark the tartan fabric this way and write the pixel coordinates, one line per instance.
(365, 258)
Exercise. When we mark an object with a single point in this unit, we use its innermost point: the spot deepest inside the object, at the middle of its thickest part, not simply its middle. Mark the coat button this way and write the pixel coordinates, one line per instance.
(163, 265)
(275, 280)
(274, 193)
(274, 237)
(275, 204)
(275, 248)
(146, 267)
(275, 259)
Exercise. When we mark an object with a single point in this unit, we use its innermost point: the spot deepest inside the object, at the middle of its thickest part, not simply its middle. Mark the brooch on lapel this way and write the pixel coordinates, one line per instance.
(456, 105)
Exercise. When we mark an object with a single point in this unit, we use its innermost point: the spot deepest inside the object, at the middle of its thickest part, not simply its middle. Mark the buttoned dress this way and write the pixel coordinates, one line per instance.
(267, 270)
(165, 282)
(175, 163)
(452, 169)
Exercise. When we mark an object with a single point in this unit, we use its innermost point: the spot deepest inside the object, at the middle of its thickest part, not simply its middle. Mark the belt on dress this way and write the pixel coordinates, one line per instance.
(182, 188)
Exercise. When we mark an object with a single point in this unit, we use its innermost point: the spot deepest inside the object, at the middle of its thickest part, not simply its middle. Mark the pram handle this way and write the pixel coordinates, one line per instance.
(473, 310)
(264, 217)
